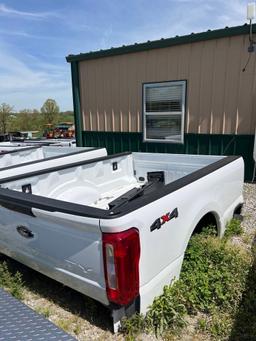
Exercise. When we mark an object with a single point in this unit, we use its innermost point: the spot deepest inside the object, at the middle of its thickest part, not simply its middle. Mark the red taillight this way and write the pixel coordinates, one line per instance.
(121, 252)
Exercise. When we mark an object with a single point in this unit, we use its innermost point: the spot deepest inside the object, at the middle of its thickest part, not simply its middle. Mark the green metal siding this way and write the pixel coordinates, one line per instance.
(76, 102)
(214, 144)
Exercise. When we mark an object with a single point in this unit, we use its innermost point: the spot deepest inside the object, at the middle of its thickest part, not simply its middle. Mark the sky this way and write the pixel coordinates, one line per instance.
(37, 35)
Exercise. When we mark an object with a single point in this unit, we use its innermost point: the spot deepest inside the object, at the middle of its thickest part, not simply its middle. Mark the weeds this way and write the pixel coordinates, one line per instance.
(64, 324)
(168, 310)
(218, 323)
(10, 281)
(212, 274)
(233, 228)
(212, 281)
(45, 311)
(133, 326)
(77, 328)
(70, 325)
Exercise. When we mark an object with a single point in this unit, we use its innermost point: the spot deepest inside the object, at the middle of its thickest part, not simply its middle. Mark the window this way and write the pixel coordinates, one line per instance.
(164, 109)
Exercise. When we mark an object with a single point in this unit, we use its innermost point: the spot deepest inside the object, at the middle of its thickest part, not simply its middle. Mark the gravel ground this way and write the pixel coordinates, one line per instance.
(86, 319)
(249, 209)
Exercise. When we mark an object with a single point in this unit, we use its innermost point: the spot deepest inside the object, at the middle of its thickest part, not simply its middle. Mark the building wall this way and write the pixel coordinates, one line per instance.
(220, 97)
(211, 144)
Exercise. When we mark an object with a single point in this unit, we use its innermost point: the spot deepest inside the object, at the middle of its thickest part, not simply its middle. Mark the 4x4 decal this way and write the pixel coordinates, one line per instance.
(162, 220)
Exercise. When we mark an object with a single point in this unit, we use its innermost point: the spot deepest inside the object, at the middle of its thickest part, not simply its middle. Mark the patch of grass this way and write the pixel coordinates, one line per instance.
(233, 228)
(73, 324)
(202, 324)
(209, 231)
(132, 326)
(64, 324)
(213, 273)
(45, 311)
(212, 281)
(11, 281)
(168, 310)
(218, 323)
(77, 328)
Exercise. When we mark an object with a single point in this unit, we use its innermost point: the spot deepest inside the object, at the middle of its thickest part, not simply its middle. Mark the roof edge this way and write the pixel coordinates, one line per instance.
(161, 43)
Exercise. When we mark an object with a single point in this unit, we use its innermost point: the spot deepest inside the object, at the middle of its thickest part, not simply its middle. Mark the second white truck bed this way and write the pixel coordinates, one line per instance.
(16, 160)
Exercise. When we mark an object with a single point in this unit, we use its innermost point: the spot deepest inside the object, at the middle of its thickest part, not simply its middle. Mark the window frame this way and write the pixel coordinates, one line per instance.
(168, 114)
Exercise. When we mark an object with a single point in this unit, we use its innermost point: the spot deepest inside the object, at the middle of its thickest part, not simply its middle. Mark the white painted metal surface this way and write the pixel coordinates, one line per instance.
(56, 142)
(33, 142)
(22, 158)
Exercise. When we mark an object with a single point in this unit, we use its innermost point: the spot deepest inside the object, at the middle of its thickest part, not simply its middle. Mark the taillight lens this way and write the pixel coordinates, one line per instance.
(121, 252)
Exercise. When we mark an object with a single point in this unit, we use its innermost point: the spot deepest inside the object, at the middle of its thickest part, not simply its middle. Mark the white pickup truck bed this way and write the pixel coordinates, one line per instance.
(20, 160)
(116, 228)
(41, 141)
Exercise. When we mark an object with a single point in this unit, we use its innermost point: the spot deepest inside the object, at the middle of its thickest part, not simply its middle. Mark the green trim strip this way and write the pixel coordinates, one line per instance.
(187, 39)
(209, 144)
(77, 103)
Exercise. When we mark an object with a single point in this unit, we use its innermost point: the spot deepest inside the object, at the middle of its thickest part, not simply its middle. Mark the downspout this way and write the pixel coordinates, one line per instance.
(77, 103)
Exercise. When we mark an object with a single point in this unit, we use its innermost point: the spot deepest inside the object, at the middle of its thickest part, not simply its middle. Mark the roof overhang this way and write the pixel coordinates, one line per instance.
(157, 44)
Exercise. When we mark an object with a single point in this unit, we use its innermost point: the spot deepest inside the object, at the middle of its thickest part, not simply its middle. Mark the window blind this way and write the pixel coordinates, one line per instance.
(164, 98)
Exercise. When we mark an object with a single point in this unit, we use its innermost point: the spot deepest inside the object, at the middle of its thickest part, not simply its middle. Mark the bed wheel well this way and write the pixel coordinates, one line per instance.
(238, 209)
(208, 219)
(238, 212)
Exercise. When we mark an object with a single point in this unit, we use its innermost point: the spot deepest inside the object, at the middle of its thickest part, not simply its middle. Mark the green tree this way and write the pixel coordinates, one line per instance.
(5, 111)
(50, 110)
(29, 120)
